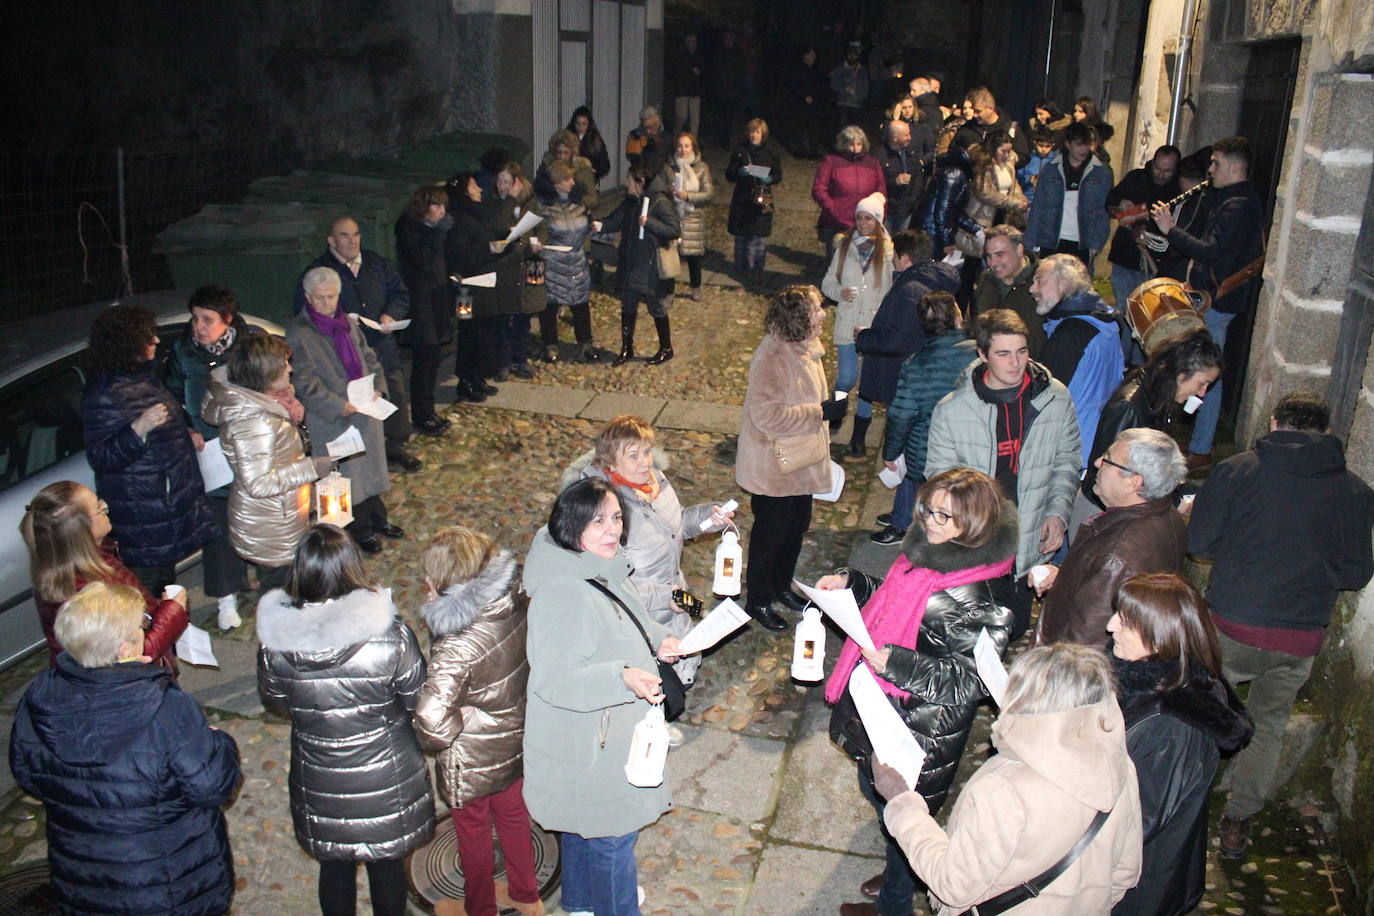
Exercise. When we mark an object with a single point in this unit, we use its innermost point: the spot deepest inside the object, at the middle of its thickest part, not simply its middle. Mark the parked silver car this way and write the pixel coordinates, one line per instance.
(42, 375)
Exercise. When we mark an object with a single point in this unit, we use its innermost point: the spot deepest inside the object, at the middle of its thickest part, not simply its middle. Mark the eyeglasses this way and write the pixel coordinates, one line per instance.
(101, 508)
(1120, 467)
(941, 518)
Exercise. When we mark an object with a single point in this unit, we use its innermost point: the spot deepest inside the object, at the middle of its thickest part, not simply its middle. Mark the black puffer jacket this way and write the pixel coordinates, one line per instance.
(943, 209)
(153, 486)
(939, 674)
(1174, 738)
(637, 261)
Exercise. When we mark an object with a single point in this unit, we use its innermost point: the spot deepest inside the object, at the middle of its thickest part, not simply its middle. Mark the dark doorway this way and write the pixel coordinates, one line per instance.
(1270, 78)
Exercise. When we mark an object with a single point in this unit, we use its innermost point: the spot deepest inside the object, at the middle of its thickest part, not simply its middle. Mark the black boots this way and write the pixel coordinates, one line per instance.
(627, 341)
(665, 342)
(857, 448)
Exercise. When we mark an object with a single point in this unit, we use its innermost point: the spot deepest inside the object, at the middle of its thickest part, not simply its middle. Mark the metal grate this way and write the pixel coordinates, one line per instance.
(435, 874)
(26, 892)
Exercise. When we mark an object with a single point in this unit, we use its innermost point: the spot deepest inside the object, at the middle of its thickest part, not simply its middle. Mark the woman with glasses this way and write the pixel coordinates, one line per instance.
(926, 616)
(67, 531)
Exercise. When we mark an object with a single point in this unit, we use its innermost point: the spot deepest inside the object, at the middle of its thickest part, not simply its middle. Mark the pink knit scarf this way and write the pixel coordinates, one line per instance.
(894, 612)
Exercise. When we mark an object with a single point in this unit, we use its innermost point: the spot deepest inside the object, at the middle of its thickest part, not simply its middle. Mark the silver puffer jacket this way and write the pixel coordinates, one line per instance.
(347, 672)
(269, 500)
(691, 211)
(471, 711)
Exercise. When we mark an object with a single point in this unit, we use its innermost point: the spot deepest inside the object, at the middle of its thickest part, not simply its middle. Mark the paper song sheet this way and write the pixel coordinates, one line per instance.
(527, 222)
(836, 484)
(485, 281)
(563, 248)
(387, 329)
(726, 618)
(757, 171)
(194, 647)
(839, 605)
(349, 442)
(214, 467)
(362, 395)
(894, 477)
(892, 741)
(990, 667)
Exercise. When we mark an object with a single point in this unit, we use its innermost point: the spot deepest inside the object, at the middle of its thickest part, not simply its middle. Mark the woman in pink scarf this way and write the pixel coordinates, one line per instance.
(926, 615)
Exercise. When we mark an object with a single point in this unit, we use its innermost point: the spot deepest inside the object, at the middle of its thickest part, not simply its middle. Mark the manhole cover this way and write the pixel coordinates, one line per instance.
(435, 874)
(25, 892)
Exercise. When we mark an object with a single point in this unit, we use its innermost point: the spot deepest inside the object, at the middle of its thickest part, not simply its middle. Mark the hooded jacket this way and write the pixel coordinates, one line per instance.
(269, 500)
(580, 716)
(471, 711)
(872, 282)
(567, 222)
(347, 672)
(963, 433)
(1084, 352)
(1175, 738)
(132, 778)
(992, 293)
(894, 332)
(782, 403)
(926, 377)
(1047, 208)
(1027, 807)
(584, 177)
(1287, 527)
(939, 672)
(1107, 550)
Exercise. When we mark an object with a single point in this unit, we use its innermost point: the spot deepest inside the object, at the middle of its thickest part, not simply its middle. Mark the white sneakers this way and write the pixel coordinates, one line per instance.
(675, 739)
(229, 612)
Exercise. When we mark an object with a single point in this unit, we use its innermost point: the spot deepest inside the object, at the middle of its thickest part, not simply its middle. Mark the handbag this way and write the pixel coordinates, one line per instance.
(669, 261)
(674, 694)
(1024, 891)
(800, 450)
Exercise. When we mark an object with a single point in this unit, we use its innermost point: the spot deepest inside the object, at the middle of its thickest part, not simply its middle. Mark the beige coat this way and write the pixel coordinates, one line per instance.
(995, 189)
(269, 500)
(471, 711)
(783, 399)
(872, 283)
(692, 211)
(1025, 809)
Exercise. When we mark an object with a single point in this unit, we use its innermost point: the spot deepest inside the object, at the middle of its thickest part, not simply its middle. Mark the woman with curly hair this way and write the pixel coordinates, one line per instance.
(142, 449)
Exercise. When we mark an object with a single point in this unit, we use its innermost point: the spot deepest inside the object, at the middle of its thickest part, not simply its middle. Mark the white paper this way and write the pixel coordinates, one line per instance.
(350, 442)
(841, 395)
(363, 396)
(527, 222)
(377, 325)
(194, 647)
(485, 281)
(893, 477)
(990, 667)
(757, 171)
(214, 467)
(836, 484)
(643, 212)
(955, 258)
(564, 248)
(726, 618)
(892, 741)
(840, 606)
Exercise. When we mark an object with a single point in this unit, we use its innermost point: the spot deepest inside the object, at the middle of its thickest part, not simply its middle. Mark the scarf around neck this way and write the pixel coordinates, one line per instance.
(339, 329)
(894, 612)
(221, 346)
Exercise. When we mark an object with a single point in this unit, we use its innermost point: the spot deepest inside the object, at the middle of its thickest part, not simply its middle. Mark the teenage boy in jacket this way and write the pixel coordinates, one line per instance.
(1287, 527)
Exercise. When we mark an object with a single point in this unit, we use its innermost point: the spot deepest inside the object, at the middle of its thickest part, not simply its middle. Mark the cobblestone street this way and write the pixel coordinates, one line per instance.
(768, 816)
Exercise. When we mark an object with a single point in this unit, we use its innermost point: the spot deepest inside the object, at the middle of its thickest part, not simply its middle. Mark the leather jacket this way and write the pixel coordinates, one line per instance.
(942, 211)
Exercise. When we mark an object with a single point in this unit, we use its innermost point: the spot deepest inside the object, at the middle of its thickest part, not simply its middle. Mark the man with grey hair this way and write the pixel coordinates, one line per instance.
(645, 143)
(1083, 346)
(906, 151)
(1007, 281)
(1141, 532)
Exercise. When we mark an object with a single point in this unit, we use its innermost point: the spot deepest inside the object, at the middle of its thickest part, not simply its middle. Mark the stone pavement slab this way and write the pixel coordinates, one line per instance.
(545, 399)
(793, 880)
(609, 404)
(233, 686)
(726, 773)
(716, 418)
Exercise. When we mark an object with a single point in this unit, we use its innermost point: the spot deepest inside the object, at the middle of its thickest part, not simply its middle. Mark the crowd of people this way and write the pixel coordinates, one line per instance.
(1031, 432)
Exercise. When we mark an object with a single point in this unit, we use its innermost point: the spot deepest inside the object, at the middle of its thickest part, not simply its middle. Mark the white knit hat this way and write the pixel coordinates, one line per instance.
(874, 205)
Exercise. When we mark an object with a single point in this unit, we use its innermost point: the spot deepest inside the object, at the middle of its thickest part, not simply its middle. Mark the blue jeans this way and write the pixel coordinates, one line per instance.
(600, 875)
(1205, 423)
(899, 881)
(1124, 282)
(904, 503)
(847, 373)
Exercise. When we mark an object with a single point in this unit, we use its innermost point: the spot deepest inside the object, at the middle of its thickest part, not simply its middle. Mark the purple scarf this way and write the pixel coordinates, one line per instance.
(339, 328)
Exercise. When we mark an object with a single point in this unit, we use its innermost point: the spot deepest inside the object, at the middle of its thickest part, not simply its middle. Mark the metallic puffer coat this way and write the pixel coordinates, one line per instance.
(471, 711)
(692, 211)
(269, 500)
(347, 671)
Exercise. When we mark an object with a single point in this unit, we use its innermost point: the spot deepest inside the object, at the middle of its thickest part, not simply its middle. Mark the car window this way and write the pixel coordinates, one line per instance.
(40, 421)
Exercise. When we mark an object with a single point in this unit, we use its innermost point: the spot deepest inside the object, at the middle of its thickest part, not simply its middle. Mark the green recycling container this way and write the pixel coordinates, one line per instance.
(374, 201)
(388, 169)
(472, 145)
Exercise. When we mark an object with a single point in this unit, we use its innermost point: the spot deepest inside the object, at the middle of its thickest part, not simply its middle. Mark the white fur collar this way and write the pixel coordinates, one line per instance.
(348, 621)
(463, 602)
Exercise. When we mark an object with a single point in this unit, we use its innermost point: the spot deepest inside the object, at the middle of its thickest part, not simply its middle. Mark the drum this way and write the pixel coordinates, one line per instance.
(1162, 310)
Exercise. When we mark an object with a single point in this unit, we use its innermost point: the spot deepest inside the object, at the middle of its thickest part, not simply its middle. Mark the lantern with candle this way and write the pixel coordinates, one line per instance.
(334, 499)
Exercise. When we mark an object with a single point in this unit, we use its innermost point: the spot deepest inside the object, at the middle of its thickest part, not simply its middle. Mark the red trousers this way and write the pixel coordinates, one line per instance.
(472, 825)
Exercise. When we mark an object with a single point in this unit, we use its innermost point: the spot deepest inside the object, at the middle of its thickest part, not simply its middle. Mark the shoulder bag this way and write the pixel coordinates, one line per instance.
(800, 450)
(674, 694)
(1032, 888)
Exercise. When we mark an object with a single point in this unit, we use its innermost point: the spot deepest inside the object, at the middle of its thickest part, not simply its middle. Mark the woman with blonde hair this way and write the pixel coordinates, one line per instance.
(688, 178)
(751, 203)
(859, 276)
(67, 531)
(471, 710)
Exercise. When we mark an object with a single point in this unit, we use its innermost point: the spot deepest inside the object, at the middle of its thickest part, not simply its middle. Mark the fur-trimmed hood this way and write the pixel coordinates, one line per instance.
(585, 466)
(950, 556)
(463, 602)
(1203, 702)
(328, 631)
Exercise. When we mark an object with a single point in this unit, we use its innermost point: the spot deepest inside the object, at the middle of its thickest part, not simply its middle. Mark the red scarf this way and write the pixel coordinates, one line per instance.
(648, 489)
(894, 612)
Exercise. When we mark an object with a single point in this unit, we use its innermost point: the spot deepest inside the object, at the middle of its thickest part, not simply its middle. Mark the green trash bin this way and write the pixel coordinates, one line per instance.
(473, 144)
(394, 170)
(372, 201)
(258, 250)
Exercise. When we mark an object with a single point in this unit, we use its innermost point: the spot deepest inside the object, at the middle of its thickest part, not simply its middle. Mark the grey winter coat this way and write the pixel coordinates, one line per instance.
(963, 433)
(347, 672)
(655, 536)
(692, 211)
(567, 281)
(471, 711)
(322, 386)
(580, 715)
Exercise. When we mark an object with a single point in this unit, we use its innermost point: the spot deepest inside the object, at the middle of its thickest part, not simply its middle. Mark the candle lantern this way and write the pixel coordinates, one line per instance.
(648, 750)
(808, 652)
(729, 563)
(464, 303)
(334, 499)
